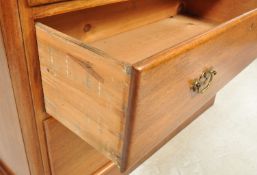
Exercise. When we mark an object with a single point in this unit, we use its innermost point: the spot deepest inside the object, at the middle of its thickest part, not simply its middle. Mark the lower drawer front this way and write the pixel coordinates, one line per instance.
(124, 109)
(164, 96)
(69, 154)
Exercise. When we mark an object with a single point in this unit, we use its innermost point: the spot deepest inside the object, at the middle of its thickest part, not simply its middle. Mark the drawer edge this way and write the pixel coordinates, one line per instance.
(173, 52)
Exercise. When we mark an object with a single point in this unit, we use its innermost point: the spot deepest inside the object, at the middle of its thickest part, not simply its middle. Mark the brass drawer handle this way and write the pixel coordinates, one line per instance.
(201, 84)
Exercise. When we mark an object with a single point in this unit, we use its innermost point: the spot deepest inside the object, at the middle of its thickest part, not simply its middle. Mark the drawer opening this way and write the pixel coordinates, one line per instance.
(90, 61)
(133, 31)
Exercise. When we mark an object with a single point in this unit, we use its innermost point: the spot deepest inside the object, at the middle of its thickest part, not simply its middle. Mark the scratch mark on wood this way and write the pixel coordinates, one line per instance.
(51, 55)
(67, 66)
(99, 88)
(99, 126)
(52, 60)
(87, 66)
(88, 82)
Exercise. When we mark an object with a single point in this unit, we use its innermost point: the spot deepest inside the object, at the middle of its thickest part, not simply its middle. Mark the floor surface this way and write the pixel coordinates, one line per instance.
(222, 141)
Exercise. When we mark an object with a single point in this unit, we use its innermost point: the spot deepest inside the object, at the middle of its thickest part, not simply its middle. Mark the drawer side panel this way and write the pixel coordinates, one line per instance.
(85, 90)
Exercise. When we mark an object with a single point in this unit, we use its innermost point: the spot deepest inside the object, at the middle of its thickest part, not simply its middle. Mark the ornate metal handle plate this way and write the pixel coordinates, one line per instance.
(201, 84)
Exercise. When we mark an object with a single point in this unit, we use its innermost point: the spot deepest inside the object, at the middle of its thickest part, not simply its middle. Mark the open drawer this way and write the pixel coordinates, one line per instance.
(125, 77)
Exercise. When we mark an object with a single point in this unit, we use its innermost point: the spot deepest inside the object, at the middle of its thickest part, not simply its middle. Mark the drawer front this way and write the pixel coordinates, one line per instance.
(68, 154)
(164, 99)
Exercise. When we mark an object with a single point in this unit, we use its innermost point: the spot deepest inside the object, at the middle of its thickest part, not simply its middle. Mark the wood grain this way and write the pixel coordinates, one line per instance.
(34, 80)
(13, 41)
(68, 6)
(164, 94)
(12, 151)
(68, 153)
(218, 10)
(111, 169)
(233, 44)
(105, 21)
(160, 97)
(155, 38)
(41, 2)
(68, 67)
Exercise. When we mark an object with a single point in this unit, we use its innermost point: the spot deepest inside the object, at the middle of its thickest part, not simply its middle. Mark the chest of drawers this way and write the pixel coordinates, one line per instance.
(116, 80)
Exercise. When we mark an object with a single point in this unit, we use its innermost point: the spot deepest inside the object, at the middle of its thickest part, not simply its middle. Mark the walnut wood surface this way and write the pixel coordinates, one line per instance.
(68, 153)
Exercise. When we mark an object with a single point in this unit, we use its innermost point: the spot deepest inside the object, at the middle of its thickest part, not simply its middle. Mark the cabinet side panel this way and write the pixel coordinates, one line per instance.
(15, 43)
(12, 151)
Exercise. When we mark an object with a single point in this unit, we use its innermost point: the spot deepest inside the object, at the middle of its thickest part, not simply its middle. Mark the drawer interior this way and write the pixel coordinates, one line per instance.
(135, 30)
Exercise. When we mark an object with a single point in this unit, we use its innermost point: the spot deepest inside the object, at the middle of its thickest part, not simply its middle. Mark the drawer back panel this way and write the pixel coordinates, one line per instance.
(104, 21)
